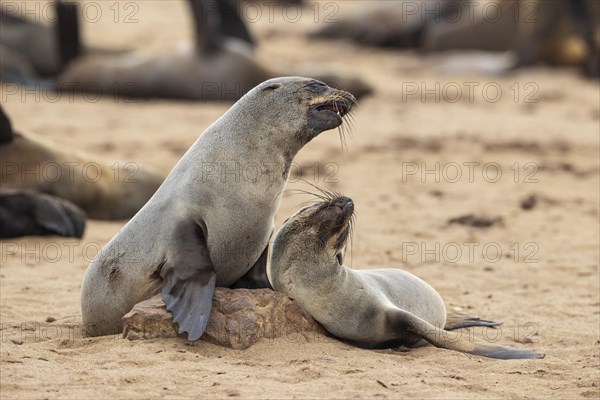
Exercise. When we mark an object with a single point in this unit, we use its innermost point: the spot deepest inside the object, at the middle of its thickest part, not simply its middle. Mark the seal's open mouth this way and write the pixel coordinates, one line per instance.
(328, 108)
(341, 108)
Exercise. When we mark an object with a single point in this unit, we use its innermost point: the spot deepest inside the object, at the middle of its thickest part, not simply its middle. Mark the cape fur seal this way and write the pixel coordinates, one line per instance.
(556, 32)
(207, 225)
(436, 25)
(218, 66)
(366, 307)
(31, 49)
(102, 190)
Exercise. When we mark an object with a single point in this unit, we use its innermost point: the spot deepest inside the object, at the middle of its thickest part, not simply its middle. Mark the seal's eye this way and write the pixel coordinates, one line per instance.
(318, 87)
(272, 86)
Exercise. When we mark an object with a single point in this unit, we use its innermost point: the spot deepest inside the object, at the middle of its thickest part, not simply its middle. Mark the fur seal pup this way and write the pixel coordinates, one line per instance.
(366, 307)
(211, 220)
(102, 190)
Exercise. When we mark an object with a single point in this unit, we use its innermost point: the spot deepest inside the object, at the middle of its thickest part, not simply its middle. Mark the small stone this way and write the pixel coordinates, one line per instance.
(529, 202)
(17, 341)
(50, 319)
(239, 318)
(476, 221)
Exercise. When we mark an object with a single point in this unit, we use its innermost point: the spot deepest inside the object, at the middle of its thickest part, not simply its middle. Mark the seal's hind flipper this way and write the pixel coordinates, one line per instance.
(214, 21)
(505, 353)
(256, 277)
(29, 213)
(404, 321)
(189, 281)
(458, 320)
(233, 24)
(6, 132)
(68, 31)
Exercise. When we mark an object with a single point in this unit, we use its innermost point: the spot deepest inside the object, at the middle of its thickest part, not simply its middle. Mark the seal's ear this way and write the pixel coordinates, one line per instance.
(189, 281)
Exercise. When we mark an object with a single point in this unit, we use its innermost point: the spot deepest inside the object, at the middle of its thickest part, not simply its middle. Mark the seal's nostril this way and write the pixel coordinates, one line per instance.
(349, 206)
(346, 203)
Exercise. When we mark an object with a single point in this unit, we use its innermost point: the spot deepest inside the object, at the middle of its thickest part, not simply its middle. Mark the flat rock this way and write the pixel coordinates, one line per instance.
(239, 318)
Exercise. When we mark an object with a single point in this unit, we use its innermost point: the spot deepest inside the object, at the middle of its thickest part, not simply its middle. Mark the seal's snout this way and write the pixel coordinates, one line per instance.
(338, 212)
(329, 106)
(346, 205)
(341, 103)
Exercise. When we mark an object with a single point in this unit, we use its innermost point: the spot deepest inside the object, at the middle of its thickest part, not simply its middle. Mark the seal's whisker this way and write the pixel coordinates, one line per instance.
(323, 192)
(293, 192)
(344, 133)
(351, 247)
(340, 134)
(349, 130)
(331, 193)
(305, 192)
(307, 203)
(349, 120)
(341, 127)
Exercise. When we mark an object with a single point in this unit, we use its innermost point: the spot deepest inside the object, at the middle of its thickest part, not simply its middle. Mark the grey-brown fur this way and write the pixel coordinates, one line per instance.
(367, 307)
(205, 227)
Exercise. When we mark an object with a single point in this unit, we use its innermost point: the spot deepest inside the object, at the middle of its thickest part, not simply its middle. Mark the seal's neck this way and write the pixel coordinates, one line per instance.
(296, 262)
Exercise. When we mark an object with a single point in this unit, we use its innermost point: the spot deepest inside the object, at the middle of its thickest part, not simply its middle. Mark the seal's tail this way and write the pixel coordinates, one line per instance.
(406, 321)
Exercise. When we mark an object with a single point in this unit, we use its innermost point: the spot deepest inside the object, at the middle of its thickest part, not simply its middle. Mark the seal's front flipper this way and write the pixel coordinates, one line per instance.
(28, 213)
(189, 281)
(190, 301)
(256, 277)
(232, 23)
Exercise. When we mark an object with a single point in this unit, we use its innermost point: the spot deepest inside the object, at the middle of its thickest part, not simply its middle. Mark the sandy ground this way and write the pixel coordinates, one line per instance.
(536, 271)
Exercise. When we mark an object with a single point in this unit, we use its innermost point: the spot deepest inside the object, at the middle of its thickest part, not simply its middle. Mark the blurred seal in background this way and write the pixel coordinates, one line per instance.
(102, 189)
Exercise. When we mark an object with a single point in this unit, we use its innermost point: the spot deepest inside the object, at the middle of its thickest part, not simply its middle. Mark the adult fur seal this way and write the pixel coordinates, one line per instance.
(102, 190)
(219, 65)
(368, 307)
(211, 220)
(31, 50)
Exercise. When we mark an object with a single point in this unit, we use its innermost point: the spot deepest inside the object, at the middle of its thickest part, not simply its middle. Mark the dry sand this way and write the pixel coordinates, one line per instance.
(544, 286)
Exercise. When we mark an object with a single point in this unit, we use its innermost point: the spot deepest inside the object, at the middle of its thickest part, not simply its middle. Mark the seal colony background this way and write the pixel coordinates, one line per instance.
(492, 199)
